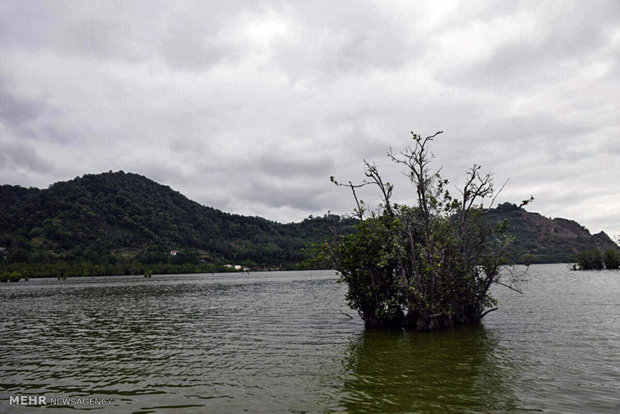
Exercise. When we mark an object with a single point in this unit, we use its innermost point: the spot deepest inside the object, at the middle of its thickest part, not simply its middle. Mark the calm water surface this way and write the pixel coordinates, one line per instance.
(279, 342)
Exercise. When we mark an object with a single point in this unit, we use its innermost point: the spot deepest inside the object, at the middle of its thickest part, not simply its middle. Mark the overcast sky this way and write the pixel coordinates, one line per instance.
(251, 106)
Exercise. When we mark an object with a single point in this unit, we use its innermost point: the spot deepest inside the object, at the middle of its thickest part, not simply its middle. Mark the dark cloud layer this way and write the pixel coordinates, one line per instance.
(251, 106)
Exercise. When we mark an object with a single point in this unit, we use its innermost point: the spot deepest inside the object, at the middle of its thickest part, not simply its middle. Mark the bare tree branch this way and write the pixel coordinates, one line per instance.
(508, 286)
(488, 311)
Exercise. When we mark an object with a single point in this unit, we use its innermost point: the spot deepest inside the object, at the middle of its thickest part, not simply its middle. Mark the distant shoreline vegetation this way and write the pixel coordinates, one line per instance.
(184, 262)
(62, 270)
(595, 259)
(124, 262)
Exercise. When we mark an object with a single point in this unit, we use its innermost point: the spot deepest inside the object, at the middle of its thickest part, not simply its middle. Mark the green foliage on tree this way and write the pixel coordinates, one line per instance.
(590, 259)
(10, 277)
(425, 266)
(612, 258)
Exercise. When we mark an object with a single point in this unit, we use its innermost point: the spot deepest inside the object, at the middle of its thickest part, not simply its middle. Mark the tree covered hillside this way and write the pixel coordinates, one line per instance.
(96, 217)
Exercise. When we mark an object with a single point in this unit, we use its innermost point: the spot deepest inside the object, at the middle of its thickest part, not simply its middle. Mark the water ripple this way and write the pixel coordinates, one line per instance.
(277, 342)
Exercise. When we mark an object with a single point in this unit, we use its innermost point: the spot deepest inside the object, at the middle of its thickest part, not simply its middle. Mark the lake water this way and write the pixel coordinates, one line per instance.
(280, 342)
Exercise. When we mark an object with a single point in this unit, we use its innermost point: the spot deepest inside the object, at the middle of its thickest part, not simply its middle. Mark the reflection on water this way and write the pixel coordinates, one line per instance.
(460, 370)
(278, 342)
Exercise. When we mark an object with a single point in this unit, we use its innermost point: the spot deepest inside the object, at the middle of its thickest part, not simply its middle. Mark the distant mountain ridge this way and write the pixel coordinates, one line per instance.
(98, 213)
(97, 216)
(540, 239)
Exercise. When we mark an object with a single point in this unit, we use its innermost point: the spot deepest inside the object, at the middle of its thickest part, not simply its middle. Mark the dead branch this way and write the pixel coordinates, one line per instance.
(488, 311)
(508, 286)
(345, 314)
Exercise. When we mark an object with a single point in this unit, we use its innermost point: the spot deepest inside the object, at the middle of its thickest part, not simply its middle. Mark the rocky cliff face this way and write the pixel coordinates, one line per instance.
(540, 239)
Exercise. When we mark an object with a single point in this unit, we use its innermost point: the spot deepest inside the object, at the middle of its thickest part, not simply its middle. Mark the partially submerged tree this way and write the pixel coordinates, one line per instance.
(595, 259)
(591, 259)
(612, 258)
(425, 266)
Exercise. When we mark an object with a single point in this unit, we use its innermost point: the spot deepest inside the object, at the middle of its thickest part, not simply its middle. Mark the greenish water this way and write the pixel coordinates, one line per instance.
(279, 342)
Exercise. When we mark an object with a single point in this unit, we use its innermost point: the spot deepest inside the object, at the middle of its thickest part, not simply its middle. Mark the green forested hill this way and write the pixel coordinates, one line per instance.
(539, 239)
(106, 222)
(98, 217)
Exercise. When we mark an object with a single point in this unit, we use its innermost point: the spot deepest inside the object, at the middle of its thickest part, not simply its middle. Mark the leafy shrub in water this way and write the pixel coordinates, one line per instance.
(425, 266)
(590, 259)
(14, 277)
(612, 259)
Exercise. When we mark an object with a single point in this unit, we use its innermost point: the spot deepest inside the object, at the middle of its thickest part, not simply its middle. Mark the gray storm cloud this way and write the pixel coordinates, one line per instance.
(250, 106)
